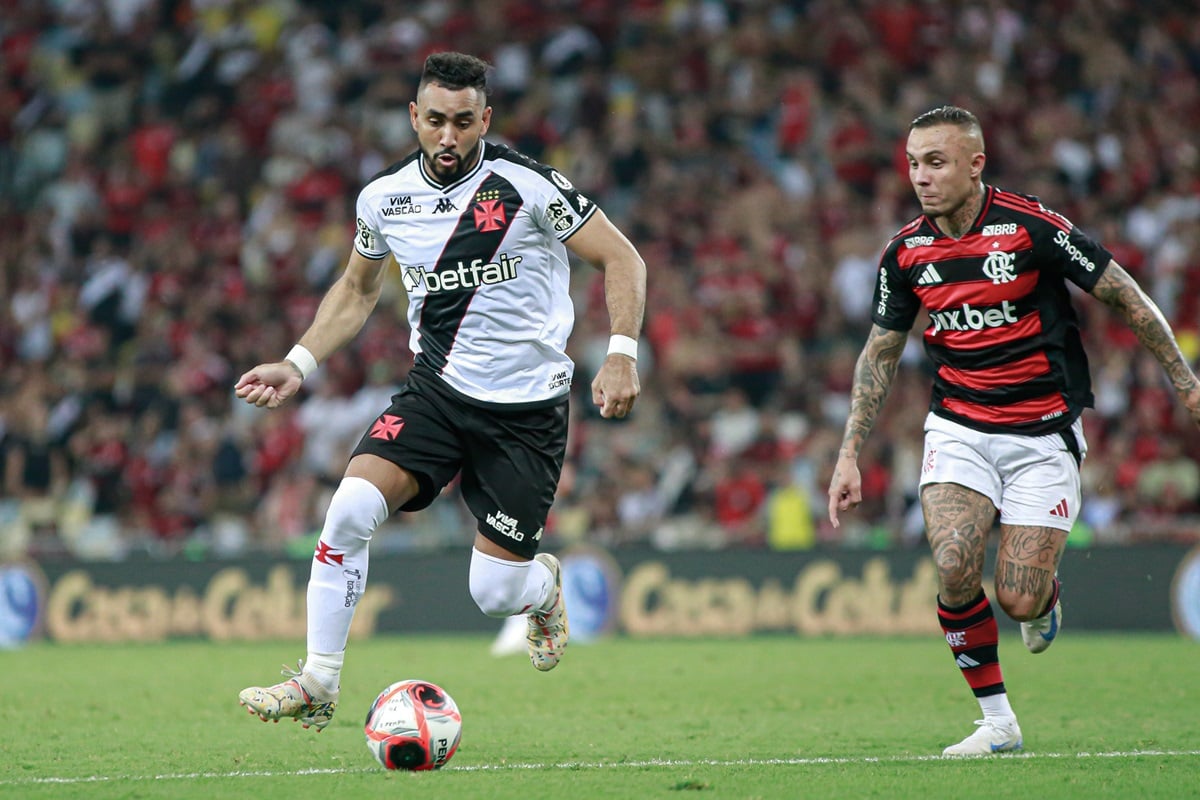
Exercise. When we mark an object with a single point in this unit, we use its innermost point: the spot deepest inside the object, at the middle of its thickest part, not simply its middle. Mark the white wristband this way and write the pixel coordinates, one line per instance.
(623, 345)
(304, 360)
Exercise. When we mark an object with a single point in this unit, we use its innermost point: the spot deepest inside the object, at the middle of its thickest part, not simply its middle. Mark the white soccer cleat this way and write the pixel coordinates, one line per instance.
(300, 698)
(548, 632)
(990, 737)
(1039, 633)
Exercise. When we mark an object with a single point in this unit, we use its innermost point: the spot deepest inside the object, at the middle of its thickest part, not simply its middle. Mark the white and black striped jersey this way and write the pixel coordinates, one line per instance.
(486, 270)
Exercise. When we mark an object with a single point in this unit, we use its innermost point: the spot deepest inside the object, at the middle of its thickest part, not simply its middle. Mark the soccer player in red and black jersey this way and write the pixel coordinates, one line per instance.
(1003, 435)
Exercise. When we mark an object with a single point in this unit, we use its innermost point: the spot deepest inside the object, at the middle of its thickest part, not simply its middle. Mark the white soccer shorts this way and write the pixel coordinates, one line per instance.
(1032, 480)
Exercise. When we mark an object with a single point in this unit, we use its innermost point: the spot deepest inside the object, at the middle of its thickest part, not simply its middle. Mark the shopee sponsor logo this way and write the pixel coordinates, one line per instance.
(1063, 240)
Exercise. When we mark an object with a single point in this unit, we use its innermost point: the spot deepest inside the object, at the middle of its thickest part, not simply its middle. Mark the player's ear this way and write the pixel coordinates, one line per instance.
(412, 114)
(487, 120)
(977, 162)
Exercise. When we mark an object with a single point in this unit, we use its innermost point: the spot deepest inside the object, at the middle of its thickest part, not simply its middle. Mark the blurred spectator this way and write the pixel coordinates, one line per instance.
(170, 168)
(35, 479)
(1170, 482)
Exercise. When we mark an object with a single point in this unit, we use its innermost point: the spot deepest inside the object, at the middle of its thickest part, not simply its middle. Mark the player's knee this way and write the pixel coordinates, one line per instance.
(1018, 605)
(496, 600)
(356, 509)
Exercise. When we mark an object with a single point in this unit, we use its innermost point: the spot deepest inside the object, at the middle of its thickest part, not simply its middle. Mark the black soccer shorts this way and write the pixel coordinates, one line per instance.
(510, 459)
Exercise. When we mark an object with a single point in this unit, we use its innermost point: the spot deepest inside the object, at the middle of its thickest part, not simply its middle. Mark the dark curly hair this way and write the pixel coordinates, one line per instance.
(455, 71)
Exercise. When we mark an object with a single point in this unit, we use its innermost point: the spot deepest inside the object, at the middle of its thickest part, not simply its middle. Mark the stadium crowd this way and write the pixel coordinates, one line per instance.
(177, 180)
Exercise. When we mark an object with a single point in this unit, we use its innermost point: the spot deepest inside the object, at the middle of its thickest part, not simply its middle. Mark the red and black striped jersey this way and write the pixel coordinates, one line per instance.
(1003, 335)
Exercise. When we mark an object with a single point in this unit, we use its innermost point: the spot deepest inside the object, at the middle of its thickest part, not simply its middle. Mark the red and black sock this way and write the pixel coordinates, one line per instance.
(973, 637)
(1053, 598)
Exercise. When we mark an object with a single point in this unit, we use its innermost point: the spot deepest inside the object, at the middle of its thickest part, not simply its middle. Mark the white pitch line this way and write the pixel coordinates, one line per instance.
(599, 765)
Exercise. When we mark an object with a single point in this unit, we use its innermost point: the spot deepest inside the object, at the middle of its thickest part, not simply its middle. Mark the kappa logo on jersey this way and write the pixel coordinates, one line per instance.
(387, 427)
(999, 266)
(444, 206)
(972, 319)
(918, 241)
(1063, 240)
(402, 204)
(327, 555)
(463, 276)
(560, 216)
(929, 276)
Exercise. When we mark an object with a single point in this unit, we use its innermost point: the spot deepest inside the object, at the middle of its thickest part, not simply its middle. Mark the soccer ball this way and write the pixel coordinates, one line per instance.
(413, 725)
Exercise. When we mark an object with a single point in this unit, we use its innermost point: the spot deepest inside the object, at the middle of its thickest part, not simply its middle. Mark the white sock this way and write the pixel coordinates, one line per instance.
(339, 574)
(325, 668)
(996, 708)
(502, 588)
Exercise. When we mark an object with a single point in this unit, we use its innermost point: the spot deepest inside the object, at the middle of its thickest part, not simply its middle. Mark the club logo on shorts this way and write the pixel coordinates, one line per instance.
(930, 459)
(387, 427)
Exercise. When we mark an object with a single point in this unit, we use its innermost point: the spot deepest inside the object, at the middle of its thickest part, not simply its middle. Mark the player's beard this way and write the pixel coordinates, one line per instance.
(448, 175)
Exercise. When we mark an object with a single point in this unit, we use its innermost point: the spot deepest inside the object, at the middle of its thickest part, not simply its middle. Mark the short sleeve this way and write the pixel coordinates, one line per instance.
(563, 209)
(1073, 254)
(895, 305)
(368, 241)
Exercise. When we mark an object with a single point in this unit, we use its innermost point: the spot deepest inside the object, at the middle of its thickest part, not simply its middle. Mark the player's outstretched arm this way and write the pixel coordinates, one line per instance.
(873, 375)
(1118, 290)
(340, 316)
(599, 242)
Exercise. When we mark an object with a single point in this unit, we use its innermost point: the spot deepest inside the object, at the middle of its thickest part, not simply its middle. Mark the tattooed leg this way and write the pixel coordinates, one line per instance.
(957, 522)
(1025, 566)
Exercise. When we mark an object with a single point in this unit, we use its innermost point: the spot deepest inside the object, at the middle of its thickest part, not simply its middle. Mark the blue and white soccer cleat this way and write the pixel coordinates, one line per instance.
(1039, 633)
(989, 738)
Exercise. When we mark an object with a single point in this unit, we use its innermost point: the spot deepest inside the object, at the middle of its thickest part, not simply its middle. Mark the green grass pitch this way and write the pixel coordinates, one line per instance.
(769, 717)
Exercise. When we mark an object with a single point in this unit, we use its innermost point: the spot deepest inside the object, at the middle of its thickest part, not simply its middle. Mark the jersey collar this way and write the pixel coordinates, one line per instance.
(471, 173)
(989, 192)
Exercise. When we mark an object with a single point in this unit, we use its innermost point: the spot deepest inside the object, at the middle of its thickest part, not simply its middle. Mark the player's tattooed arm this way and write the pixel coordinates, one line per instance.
(1118, 290)
(873, 375)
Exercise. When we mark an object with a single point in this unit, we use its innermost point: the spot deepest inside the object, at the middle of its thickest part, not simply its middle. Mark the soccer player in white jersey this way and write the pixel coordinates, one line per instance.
(1003, 435)
(480, 234)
